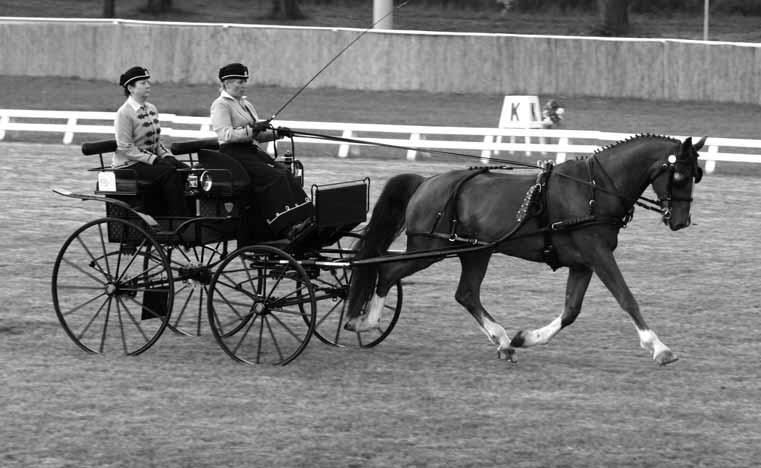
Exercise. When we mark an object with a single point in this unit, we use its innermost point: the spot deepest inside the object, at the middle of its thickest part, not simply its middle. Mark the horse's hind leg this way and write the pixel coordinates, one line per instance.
(607, 270)
(388, 275)
(469, 296)
(576, 287)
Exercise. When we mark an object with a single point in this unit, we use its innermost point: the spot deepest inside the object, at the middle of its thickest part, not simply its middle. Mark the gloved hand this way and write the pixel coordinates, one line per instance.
(283, 132)
(260, 125)
(159, 161)
(171, 160)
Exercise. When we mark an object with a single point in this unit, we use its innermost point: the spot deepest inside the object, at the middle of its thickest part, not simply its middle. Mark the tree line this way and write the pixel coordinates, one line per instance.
(613, 14)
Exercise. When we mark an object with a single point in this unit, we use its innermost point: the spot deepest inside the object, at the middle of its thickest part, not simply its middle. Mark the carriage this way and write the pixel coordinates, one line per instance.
(121, 280)
(148, 273)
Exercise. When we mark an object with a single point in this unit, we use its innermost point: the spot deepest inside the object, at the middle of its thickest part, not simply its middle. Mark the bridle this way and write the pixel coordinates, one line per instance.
(664, 204)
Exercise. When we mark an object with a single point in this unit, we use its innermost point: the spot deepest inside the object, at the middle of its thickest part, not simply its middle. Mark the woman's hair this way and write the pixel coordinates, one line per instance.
(126, 91)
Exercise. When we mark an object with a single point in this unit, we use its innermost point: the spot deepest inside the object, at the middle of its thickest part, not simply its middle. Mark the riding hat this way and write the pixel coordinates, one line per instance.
(233, 70)
(134, 74)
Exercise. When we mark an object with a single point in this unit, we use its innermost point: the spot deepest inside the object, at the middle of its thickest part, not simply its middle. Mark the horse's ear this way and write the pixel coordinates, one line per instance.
(686, 150)
(699, 144)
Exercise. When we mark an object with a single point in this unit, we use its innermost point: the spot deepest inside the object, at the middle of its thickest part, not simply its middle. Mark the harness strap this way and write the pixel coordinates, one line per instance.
(452, 201)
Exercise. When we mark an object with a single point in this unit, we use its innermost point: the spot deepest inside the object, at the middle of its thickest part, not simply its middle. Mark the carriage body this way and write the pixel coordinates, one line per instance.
(147, 270)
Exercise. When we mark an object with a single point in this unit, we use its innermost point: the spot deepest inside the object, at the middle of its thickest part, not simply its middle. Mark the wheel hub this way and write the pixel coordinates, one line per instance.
(193, 272)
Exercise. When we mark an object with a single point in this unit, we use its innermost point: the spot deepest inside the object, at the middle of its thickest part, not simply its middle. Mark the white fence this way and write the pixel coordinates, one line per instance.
(488, 141)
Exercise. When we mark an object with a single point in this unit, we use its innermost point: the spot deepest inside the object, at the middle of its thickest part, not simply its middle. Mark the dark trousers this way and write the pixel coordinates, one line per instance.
(275, 194)
(167, 183)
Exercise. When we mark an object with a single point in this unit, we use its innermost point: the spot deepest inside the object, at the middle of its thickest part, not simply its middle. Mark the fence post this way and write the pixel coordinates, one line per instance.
(4, 120)
(711, 163)
(486, 154)
(68, 136)
(563, 141)
(414, 138)
(343, 150)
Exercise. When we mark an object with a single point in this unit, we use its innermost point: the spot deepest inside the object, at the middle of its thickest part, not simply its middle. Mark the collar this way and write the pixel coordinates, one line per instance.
(134, 104)
(227, 95)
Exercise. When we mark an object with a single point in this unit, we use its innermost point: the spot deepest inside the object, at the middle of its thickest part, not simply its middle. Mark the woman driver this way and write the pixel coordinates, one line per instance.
(278, 197)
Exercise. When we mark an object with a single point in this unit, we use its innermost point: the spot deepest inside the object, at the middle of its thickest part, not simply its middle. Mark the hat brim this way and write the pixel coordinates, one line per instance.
(228, 77)
(136, 78)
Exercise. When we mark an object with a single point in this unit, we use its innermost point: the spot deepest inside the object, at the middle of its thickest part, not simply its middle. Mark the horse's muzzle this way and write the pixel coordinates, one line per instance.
(675, 226)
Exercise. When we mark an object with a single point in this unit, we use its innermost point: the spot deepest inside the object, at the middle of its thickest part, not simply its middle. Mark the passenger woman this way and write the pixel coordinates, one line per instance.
(138, 142)
(277, 195)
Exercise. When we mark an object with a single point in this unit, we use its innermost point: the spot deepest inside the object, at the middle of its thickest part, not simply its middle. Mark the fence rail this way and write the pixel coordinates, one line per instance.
(486, 140)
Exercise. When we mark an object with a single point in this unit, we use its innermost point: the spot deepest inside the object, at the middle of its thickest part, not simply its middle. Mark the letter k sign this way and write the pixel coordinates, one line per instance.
(514, 111)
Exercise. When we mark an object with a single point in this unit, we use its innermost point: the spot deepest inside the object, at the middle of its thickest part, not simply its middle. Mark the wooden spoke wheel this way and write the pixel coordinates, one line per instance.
(261, 306)
(112, 287)
(192, 270)
(331, 288)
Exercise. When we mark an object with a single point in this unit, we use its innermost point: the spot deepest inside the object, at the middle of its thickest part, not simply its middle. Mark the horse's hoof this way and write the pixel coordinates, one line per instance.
(351, 326)
(508, 354)
(666, 357)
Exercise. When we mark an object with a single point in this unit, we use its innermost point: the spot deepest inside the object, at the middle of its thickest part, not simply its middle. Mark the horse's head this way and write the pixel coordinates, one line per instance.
(673, 181)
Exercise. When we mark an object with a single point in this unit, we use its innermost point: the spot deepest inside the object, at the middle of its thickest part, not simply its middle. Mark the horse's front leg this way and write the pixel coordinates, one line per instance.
(576, 287)
(606, 268)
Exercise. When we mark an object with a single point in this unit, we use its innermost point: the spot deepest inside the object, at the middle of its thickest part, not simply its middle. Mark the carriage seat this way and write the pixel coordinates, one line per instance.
(126, 179)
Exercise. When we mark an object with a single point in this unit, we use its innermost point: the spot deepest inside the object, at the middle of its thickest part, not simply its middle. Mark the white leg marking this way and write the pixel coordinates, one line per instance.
(371, 320)
(376, 310)
(650, 341)
(496, 334)
(542, 335)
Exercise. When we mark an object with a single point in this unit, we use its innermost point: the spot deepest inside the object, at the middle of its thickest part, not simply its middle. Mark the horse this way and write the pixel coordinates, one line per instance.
(569, 216)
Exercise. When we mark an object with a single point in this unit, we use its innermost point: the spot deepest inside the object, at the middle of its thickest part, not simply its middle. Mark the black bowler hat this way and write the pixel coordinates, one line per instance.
(233, 70)
(134, 74)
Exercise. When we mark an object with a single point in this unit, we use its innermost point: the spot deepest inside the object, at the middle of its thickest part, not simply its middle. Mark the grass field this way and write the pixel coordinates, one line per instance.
(433, 394)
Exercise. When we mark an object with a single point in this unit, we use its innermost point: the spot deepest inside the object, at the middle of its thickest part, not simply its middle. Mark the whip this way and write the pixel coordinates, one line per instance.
(335, 58)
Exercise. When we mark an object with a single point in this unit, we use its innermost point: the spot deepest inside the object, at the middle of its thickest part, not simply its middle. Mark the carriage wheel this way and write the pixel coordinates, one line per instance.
(192, 269)
(261, 306)
(112, 287)
(331, 289)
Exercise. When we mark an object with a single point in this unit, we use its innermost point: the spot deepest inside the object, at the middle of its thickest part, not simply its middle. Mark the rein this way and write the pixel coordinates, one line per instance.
(429, 150)
(644, 202)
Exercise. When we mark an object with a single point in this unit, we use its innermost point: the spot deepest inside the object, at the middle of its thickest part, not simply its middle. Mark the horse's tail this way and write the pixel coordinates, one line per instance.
(386, 223)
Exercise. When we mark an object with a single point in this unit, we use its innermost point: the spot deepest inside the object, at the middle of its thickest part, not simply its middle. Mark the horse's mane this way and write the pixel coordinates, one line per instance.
(637, 137)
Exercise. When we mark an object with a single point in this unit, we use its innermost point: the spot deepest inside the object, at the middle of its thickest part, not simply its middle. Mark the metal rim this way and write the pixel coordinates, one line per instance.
(112, 283)
(261, 306)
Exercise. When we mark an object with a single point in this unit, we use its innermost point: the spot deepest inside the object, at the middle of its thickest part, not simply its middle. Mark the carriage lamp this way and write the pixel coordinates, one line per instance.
(205, 181)
(671, 159)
